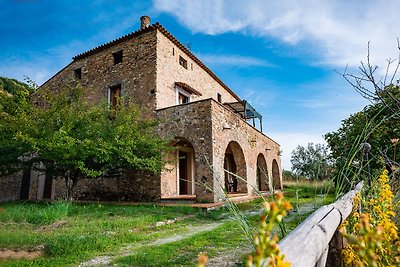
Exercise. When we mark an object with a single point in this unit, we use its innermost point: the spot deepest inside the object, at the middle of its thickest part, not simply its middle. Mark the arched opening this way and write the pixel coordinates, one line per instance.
(178, 176)
(262, 181)
(235, 169)
(276, 175)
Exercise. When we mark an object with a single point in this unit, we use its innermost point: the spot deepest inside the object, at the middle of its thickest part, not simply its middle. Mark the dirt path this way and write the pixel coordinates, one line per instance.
(129, 250)
(224, 259)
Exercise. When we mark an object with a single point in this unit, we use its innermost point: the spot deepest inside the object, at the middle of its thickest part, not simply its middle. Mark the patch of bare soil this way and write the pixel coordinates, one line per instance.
(53, 226)
(230, 258)
(29, 254)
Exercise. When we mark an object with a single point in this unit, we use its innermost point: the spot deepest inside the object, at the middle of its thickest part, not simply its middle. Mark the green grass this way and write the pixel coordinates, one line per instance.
(73, 233)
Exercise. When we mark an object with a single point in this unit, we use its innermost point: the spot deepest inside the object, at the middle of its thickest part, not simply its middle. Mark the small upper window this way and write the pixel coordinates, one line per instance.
(183, 62)
(219, 97)
(78, 73)
(117, 57)
(183, 99)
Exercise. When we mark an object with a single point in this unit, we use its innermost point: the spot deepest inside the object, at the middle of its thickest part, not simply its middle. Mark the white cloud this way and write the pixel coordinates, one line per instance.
(338, 31)
(234, 60)
(290, 140)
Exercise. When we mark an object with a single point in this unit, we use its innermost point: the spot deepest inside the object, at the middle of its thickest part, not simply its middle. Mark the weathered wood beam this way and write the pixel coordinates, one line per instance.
(306, 245)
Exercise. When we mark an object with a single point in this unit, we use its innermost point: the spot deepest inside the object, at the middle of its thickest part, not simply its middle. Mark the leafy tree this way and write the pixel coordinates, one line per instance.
(14, 105)
(69, 137)
(311, 161)
(377, 124)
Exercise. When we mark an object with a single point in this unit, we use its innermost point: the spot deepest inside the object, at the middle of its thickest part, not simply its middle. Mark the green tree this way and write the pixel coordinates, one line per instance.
(14, 106)
(377, 124)
(69, 137)
(311, 161)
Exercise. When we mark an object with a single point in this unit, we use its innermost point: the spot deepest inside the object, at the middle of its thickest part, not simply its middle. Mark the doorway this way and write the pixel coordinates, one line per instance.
(183, 172)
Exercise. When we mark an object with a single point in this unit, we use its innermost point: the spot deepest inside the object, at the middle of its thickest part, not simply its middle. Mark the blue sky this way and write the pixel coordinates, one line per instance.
(281, 56)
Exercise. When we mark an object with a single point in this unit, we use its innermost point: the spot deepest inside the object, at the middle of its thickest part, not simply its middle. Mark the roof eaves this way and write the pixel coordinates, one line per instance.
(195, 59)
(114, 42)
(170, 37)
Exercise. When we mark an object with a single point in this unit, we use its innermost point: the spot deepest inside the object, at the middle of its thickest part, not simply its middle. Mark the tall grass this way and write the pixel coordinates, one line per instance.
(34, 213)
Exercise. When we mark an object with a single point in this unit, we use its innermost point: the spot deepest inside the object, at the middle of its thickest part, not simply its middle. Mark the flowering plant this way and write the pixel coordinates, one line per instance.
(370, 232)
(265, 242)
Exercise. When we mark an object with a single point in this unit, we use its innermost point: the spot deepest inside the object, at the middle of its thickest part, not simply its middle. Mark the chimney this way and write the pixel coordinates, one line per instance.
(144, 22)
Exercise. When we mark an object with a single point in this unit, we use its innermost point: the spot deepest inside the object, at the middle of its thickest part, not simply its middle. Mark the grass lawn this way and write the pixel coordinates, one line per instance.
(143, 235)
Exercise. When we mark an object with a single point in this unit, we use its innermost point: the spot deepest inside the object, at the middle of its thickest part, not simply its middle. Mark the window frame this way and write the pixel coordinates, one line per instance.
(183, 62)
(181, 91)
(111, 89)
(78, 73)
(118, 57)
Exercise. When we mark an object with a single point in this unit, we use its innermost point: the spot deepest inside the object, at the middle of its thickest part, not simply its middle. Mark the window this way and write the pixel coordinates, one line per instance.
(78, 73)
(173, 51)
(117, 57)
(115, 96)
(183, 99)
(219, 97)
(183, 62)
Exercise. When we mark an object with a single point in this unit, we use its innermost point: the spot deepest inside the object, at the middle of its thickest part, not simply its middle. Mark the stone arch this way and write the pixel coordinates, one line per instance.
(276, 177)
(179, 180)
(262, 180)
(234, 162)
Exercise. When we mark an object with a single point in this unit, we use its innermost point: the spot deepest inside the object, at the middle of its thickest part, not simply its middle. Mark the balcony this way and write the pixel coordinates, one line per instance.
(246, 111)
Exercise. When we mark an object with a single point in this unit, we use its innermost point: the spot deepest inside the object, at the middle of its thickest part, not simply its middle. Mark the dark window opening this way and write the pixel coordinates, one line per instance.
(182, 99)
(153, 92)
(219, 97)
(78, 73)
(191, 66)
(173, 51)
(183, 62)
(117, 57)
(115, 96)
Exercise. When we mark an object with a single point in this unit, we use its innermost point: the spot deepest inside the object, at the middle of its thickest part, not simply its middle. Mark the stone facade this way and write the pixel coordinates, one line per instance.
(216, 150)
(10, 187)
(210, 128)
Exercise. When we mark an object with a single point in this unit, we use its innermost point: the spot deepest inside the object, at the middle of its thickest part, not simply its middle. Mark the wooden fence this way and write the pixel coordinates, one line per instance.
(308, 244)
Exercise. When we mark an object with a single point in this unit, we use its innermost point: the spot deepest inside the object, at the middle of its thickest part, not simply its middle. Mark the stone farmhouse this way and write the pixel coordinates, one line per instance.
(213, 129)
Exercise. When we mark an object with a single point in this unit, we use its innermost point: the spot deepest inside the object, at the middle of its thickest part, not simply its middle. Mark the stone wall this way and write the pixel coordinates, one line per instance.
(170, 71)
(228, 127)
(203, 124)
(136, 73)
(129, 186)
(191, 122)
(10, 186)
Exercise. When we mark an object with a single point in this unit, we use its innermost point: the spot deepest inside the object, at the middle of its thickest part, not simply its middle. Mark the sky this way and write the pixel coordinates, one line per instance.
(284, 57)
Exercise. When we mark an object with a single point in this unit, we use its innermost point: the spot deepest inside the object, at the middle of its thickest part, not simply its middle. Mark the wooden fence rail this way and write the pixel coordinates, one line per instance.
(308, 244)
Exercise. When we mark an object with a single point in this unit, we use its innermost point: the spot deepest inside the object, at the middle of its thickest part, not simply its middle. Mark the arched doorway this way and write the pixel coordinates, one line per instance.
(262, 181)
(276, 175)
(235, 169)
(184, 167)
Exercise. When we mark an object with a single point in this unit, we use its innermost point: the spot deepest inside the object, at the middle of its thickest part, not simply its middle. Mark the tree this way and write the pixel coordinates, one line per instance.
(67, 136)
(311, 161)
(377, 124)
(14, 105)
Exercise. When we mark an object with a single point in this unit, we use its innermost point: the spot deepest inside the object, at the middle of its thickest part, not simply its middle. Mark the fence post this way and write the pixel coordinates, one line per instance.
(335, 258)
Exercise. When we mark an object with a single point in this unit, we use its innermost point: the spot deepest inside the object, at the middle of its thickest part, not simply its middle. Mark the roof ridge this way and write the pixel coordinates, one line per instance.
(171, 37)
(117, 40)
